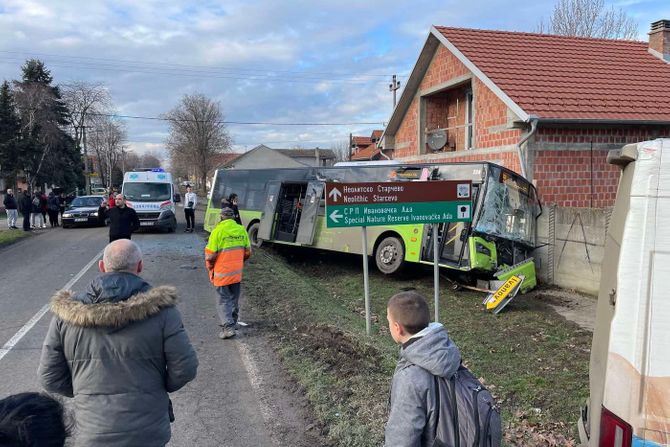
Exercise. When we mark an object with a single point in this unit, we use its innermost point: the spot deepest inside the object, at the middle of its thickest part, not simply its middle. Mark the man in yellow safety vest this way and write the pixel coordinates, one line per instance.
(226, 251)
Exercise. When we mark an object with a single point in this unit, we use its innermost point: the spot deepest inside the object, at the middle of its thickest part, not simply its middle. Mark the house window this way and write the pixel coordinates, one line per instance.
(446, 119)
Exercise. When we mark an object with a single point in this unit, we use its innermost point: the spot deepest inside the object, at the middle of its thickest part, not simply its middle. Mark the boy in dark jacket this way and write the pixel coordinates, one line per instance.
(118, 348)
(426, 351)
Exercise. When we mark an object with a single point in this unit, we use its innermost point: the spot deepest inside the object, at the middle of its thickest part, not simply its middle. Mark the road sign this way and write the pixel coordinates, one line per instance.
(497, 300)
(393, 203)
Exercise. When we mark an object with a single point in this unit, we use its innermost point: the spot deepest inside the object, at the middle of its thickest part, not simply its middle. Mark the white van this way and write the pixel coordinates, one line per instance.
(151, 194)
(629, 404)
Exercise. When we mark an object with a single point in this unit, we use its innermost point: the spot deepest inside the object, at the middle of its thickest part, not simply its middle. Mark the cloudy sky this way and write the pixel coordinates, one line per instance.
(264, 61)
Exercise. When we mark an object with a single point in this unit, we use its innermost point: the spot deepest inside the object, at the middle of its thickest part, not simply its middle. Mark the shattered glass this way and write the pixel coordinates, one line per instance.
(510, 208)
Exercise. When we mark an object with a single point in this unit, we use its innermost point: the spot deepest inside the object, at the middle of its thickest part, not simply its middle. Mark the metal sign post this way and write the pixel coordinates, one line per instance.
(366, 286)
(398, 203)
(436, 272)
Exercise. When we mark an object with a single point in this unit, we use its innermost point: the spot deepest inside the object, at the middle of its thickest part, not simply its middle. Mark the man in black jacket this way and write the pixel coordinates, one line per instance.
(123, 221)
(26, 206)
(10, 208)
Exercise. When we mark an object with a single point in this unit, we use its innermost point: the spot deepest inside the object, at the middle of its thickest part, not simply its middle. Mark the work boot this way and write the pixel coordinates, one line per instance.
(228, 332)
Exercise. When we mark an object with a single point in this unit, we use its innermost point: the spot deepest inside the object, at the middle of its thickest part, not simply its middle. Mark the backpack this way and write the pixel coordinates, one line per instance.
(467, 415)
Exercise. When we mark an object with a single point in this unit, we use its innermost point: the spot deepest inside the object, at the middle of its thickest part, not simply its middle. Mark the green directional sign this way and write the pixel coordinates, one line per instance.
(397, 203)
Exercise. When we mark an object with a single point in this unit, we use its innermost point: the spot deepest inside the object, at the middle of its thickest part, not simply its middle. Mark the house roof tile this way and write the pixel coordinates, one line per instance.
(366, 154)
(557, 77)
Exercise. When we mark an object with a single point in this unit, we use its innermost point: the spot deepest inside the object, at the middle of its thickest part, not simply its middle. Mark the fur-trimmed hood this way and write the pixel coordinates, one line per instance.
(112, 314)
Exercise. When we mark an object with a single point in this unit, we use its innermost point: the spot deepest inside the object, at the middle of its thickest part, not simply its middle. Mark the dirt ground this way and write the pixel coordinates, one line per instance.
(573, 306)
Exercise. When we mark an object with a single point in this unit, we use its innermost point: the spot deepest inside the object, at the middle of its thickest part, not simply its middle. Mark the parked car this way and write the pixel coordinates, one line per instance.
(83, 211)
(98, 190)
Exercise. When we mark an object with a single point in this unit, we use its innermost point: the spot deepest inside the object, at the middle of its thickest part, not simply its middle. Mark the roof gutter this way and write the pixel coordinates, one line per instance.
(522, 159)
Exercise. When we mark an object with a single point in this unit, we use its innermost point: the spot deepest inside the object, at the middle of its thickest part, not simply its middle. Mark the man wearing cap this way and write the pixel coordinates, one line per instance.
(227, 249)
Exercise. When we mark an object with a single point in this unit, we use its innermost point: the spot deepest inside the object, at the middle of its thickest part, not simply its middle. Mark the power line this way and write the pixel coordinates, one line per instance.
(202, 72)
(187, 66)
(241, 123)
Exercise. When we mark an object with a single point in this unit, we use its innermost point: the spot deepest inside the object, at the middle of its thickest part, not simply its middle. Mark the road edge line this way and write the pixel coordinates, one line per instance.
(7, 347)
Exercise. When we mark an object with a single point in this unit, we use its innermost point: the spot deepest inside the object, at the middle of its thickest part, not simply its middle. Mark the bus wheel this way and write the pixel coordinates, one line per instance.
(390, 255)
(253, 235)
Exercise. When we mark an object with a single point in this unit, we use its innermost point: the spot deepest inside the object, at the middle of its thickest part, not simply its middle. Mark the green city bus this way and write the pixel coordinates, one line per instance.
(287, 206)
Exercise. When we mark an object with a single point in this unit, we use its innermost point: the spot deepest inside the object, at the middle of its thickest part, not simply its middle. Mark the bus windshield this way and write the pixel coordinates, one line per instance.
(146, 192)
(510, 207)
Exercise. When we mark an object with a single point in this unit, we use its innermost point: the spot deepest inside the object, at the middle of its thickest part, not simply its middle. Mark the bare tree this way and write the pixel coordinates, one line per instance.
(197, 132)
(108, 137)
(589, 18)
(150, 160)
(84, 101)
(341, 150)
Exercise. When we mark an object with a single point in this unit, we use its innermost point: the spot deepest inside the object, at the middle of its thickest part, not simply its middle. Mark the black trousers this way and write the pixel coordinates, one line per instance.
(189, 213)
(53, 218)
(26, 221)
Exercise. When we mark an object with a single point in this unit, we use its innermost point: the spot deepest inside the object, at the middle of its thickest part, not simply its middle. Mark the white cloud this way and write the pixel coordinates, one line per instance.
(243, 53)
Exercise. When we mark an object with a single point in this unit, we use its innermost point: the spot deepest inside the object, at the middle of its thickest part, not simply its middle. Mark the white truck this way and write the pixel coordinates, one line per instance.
(629, 403)
(151, 194)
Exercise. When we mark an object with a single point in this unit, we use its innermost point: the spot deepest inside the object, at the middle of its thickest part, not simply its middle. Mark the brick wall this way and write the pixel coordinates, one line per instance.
(490, 113)
(446, 110)
(570, 163)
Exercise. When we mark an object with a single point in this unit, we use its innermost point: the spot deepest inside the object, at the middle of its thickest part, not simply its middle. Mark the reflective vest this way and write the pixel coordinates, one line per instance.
(226, 251)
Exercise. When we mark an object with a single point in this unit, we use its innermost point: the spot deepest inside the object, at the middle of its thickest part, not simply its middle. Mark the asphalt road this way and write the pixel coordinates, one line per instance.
(241, 397)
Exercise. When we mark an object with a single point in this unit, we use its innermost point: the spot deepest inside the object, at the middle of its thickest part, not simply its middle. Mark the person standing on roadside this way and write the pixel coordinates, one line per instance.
(227, 249)
(61, 205)
(118, 348)
(123, 220)
(111, 198)
(26, 207)
(43, 208)
(36, 218)
(426, 351)
(190, 202)
(52, 208)
(233, 199)
(11, 208)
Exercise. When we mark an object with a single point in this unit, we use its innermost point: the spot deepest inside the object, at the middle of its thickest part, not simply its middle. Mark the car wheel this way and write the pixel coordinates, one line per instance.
(390, 255)
(253, 235)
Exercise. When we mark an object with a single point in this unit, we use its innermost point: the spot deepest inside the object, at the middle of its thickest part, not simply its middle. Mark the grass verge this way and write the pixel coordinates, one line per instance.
(534, 361)
(10, 236)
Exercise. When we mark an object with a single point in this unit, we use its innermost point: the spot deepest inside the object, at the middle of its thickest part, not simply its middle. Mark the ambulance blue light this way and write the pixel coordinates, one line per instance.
(157, 170)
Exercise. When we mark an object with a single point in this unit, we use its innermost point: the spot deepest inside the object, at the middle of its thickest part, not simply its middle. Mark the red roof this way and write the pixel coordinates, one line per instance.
(376, 134)
(569, 77)
(366, 154)
(361, 141)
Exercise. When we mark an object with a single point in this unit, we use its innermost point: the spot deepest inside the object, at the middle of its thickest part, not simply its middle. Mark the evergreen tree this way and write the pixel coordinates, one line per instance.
(48, 154)
(9, 134)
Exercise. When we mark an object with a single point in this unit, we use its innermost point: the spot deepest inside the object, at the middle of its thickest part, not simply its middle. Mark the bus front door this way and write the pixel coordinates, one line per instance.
(269, 211)
(310, 209)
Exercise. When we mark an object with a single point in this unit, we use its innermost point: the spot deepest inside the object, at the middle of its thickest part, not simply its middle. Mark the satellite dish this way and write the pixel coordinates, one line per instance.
(437, 139)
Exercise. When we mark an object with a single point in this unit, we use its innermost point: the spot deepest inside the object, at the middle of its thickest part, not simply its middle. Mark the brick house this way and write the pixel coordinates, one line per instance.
(548, 107)
(365, 148)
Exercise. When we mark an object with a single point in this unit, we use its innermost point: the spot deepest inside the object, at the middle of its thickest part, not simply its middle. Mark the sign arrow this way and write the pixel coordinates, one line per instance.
(334, 194)
(336, 216)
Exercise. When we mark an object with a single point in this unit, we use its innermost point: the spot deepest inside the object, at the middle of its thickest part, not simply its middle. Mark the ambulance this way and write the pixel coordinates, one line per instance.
(152, 195)
(629, 374)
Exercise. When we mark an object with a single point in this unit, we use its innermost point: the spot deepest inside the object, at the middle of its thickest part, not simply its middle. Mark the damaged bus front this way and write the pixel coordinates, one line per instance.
(288, 206)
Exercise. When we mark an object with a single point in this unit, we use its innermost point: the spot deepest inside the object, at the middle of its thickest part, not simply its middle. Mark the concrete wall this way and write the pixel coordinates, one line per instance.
(573, 242)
